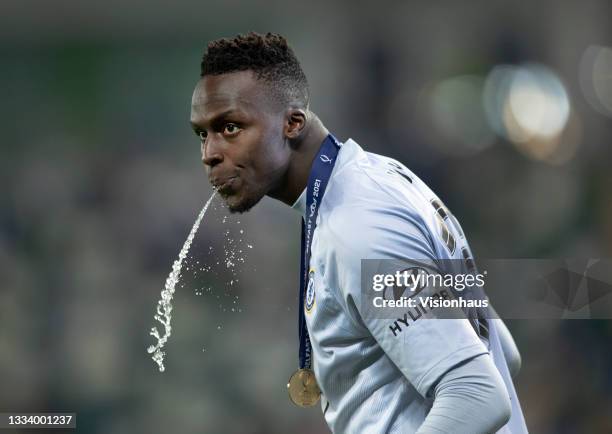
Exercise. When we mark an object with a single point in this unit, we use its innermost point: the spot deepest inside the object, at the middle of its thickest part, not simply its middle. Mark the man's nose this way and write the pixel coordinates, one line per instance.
(211, 152)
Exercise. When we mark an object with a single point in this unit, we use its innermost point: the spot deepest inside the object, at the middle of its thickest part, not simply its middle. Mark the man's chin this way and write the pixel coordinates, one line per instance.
(240, 205)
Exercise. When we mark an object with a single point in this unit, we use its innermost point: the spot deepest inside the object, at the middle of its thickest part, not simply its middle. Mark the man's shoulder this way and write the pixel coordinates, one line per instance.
(368, 232)
(367, 178)
(368, 190)
(375, 207)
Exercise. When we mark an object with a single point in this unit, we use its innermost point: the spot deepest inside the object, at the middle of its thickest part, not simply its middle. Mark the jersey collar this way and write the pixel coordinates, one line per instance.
(348, 151)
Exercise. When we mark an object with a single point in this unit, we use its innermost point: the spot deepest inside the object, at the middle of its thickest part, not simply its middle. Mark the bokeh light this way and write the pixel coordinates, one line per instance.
(529, 106)
(596, 78)
(495, 93)
(537, 103)
(458, 115)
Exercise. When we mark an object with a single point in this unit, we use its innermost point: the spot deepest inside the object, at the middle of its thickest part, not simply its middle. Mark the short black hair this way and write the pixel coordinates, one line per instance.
(268, 56)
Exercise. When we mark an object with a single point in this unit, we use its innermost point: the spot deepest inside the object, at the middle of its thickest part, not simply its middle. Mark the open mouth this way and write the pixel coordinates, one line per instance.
(224, 187)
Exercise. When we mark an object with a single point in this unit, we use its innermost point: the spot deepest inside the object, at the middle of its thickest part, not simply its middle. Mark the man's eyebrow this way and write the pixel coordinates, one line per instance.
(217, 117)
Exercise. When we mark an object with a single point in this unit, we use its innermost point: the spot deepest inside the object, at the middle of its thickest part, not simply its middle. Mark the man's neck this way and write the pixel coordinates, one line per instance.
(304, 153)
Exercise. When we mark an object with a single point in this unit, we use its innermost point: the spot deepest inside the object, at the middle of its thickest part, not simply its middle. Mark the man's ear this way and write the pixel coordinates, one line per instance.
(295, 121)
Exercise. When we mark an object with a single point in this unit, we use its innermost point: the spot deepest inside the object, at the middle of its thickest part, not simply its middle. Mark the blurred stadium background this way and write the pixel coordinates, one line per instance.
(503, 108)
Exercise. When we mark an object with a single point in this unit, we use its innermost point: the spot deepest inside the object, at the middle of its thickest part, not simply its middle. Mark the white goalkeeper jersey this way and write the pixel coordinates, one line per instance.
(376, 375)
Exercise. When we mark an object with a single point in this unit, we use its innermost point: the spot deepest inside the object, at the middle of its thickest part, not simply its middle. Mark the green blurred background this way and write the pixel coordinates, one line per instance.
(503, 108)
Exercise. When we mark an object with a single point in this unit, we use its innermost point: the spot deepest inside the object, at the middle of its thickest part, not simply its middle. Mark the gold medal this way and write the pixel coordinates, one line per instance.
(303, 388)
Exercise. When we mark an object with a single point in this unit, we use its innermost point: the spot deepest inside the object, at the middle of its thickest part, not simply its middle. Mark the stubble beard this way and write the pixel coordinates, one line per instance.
(245, 204)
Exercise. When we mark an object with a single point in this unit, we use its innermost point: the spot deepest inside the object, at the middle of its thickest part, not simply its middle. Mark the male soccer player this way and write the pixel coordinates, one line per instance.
(250, 110)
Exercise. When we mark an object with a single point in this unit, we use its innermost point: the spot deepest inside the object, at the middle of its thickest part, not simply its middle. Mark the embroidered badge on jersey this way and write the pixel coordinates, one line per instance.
(310, 292)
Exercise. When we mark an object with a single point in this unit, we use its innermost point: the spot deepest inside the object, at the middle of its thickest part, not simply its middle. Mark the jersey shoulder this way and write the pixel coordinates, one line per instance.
(374, 209)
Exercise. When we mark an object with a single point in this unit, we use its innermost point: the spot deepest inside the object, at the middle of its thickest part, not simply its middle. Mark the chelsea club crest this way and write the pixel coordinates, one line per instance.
(310, 292)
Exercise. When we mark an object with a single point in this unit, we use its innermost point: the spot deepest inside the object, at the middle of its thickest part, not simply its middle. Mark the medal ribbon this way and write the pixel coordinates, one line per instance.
(320, 173)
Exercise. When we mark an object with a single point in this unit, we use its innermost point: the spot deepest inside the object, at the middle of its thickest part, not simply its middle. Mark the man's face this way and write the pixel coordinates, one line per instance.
(241, 129)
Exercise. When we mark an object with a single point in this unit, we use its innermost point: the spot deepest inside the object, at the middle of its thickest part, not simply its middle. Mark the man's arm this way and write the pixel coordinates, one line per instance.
(443, 357)
(511, 352)
(470, 398)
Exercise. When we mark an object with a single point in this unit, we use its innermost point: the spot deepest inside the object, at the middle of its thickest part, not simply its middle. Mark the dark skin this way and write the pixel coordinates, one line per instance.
(253, 145)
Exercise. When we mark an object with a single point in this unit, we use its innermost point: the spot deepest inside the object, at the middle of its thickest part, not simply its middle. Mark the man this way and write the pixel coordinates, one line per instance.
(250, 109)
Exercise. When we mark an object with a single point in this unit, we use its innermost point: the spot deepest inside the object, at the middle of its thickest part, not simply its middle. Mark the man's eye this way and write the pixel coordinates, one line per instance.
(202, 135)
(231, 128)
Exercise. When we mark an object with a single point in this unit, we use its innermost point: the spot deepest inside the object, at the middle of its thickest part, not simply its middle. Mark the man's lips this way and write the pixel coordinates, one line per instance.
(223, 185)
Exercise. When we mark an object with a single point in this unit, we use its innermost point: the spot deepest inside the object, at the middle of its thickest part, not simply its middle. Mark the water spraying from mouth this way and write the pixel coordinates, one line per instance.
(164, 305)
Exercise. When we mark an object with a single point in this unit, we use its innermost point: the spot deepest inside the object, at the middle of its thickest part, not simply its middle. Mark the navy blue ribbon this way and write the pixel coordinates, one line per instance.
(320, 173)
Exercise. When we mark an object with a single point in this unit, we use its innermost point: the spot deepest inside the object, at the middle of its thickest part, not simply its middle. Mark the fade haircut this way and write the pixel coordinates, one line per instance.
(268, 56)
